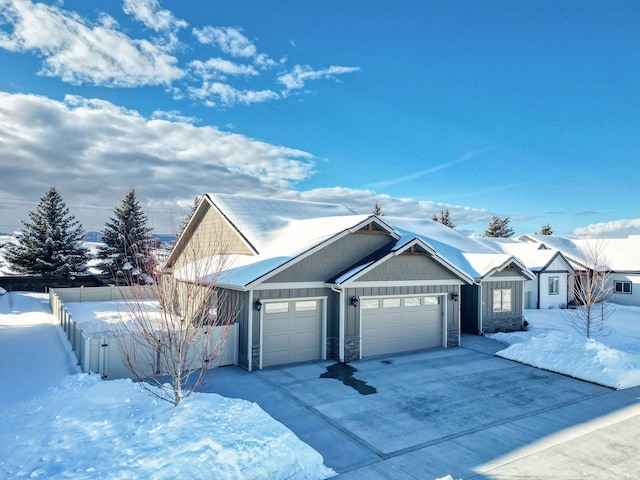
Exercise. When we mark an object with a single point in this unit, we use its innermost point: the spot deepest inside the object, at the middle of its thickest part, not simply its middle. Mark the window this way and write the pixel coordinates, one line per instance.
(306, 305)
(368, 303)
(554, 285)
(276, 307)
(502, 300)
(431, 300)
(390, 302)
(621, 287)
(412, 302)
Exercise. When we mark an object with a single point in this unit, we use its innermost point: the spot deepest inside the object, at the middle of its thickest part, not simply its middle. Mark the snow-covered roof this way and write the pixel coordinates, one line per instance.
(533, 255)
(261, 219)
(618, 254)
(282, 231)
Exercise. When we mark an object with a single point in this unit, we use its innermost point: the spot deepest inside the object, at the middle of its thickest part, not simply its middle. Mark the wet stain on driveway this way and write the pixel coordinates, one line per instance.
(344, 372)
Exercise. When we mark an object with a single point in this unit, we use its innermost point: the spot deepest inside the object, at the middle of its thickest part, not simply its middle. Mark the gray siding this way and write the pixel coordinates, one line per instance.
(333, 259)
(502, 321)
(239, 300)
(559, 265)
(416, 266)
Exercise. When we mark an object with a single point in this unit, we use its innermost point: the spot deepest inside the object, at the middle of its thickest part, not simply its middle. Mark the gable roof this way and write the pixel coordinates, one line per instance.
(282, 232)
(619, 254)
(536, 257)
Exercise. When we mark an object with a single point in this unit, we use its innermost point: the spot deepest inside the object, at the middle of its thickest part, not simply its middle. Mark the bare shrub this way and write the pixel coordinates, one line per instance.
(592, 290)
(170, 349)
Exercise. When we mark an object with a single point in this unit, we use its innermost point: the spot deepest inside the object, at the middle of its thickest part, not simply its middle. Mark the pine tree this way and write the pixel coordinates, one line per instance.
(377, 210)
(187, 218)
(126, 254)
(445, 219)
(49, 244)
(498, 228)
(546, 230)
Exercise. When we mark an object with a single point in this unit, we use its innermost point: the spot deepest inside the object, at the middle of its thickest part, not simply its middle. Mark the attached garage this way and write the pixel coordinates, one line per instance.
(292, 331)
(401, 324)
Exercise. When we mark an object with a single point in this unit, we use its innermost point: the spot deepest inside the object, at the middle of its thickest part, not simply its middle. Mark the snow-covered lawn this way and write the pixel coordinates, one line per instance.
(551, 343)
(58, 423)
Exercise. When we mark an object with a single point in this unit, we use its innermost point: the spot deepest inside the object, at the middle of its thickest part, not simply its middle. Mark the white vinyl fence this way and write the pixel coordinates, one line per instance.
(101, 354)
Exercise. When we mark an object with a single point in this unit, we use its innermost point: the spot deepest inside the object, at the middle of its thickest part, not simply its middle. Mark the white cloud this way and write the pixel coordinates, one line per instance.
(79, 52)
(229, 39)
(296, 79)
(94, 151)
(362, 201)
(154, 17)
(219, 68)
(214, 94)
(614, 228)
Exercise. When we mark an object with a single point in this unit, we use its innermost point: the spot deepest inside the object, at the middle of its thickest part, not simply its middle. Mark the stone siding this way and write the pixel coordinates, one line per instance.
(255, 357)
(453, 337)
(494, 325)
(352, 349)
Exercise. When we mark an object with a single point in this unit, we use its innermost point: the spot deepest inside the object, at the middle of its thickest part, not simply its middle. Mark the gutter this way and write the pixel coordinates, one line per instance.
(341, 324)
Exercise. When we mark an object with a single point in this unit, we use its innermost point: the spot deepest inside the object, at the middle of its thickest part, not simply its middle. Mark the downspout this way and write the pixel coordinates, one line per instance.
(340, 324)
(250, 331)
(481, 332)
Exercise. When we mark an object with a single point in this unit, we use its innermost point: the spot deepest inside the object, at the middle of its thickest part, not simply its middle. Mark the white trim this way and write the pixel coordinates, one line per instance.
(323, 320)
(341, 327)
(445, 309)
(250, 330)
(403, 283)
(291, 285)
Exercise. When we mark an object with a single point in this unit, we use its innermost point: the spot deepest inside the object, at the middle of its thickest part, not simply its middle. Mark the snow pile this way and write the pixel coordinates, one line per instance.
(2, 291)
(60, 424)
(550, 343)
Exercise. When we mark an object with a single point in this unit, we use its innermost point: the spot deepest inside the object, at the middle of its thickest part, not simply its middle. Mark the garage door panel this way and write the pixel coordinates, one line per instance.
(394, 330)
(293, 336)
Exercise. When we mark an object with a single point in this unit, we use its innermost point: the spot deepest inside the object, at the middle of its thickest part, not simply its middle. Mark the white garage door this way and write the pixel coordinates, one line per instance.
(400, 324)
(292, 332)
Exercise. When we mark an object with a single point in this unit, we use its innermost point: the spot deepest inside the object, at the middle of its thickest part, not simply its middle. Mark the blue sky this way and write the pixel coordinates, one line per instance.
(522, 109)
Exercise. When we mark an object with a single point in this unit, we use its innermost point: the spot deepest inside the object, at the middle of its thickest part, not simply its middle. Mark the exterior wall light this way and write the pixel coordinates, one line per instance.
(354, 301)
(257, 305)
(454, 296)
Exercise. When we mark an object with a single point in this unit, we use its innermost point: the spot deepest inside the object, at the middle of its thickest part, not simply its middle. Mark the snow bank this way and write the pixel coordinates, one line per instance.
(59, 424)
(88, 428)
(552, 344)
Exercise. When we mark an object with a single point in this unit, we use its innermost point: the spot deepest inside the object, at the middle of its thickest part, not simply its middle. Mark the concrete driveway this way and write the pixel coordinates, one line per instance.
(458, 411)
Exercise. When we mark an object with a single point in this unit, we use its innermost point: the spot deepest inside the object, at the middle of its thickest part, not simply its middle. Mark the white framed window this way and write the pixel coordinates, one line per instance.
(412, 302)
(621, 286)
(431, 300)
(369, 303)
(390, 302)
(554, 285)
(306, 305)
(276, 307)
(502, 300)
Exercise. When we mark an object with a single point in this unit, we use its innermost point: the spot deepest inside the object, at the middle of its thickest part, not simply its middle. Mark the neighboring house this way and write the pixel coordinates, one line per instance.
(553, 286)
(620, 256)
(317, 281)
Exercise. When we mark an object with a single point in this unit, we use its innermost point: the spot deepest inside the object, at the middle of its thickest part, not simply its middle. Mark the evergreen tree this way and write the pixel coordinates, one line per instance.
(498, 228)
(49, 244)
(126, 253)
(546, 230)
(445, 219)
(377, 210)
(187, 218)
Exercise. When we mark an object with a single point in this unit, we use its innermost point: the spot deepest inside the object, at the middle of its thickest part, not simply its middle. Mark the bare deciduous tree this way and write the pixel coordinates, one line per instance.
(592, 290)
(170, 349)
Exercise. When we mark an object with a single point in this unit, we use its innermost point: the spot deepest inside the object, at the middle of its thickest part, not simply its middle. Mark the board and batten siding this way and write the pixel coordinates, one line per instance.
(209, 234)
(332, 259)
(502, 321)
(408, 266)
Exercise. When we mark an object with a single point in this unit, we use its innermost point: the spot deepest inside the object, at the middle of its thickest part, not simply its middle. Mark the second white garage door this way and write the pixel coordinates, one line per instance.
(400, 324)
(292, 332)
